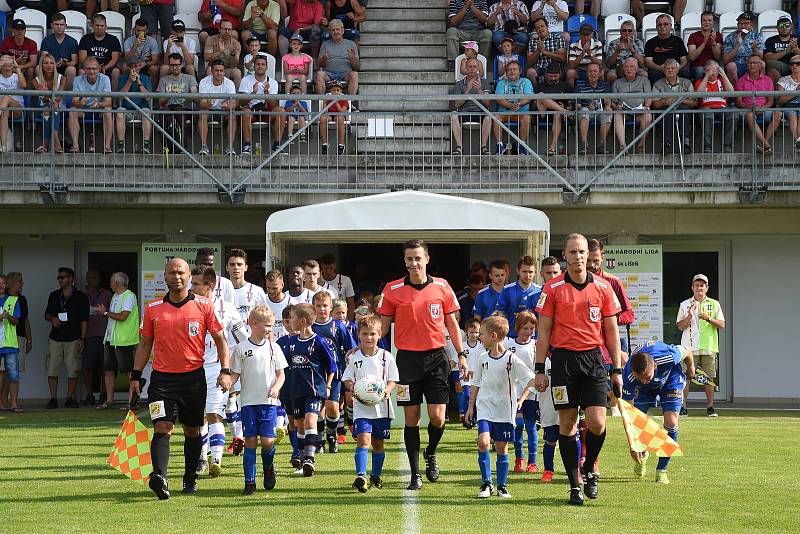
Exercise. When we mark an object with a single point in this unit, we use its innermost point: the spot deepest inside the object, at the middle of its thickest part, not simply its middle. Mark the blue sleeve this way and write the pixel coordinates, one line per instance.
(502, 302)
(347, 339)
(477, 309)
(106, 84)
(677, 357)
(330, 358)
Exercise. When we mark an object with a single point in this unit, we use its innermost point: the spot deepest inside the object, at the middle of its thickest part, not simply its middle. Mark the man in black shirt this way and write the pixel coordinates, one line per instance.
(68, 313)
(553, 85)
(104, 46)
(779, 49)
(662, 47)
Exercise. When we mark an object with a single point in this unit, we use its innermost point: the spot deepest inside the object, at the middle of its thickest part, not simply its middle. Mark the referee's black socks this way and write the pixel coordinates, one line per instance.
(434, 437)
(411, 439)
(192, 447)
(159, 453)
(593, 445)
(568, 446)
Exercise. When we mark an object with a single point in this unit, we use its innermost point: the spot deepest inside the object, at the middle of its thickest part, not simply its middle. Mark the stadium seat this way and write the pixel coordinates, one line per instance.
(3, 21)
(768, 22)
(762, 6)
(494, 67)
(188, 6)
(694, 5)
(36, 21)
(461, 58)
(613, 23)
(612, 7)
(649, 25)
(192, 23)
(574, 24)
(690, 23)
(728, 24)
(115, 24)
(726, 6)
(76, 24)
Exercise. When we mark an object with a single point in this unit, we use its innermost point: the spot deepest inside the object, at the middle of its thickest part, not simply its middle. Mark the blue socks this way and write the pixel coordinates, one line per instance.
(249, 463)
(293, 441)
(548, 454)
(664, 462)
(267, 456)
(361, 461)
(377, 463)
(485, 463)
(467, 391)
(533, 441)
(502, 470)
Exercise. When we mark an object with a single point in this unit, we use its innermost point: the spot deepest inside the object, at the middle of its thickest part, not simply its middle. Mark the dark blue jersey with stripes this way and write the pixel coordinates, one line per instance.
(338, 336)
(668, 374)
(310, 360)
(513, 299)
(485, 302)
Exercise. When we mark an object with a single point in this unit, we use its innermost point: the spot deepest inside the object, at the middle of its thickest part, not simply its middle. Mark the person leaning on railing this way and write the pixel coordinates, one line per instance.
(791, 103)
(755, 80)
(715, 81)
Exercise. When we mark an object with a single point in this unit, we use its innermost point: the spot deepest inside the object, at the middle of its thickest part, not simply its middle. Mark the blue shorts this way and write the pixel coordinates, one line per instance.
(11, 362)
(303, 405)
(670, 397)
(455, 376)
(529, 411)
(498, 431)
(338, 76)
(379, 428)
(259, 420)
(336, 390)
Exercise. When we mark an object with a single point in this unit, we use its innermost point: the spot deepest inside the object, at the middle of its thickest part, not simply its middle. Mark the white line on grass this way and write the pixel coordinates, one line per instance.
(410, 504)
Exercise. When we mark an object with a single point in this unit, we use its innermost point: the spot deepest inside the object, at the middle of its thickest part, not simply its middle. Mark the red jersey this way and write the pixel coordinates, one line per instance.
(22, 53)
(577, 311)
(179, 331)
(418, 312)
(233, 19)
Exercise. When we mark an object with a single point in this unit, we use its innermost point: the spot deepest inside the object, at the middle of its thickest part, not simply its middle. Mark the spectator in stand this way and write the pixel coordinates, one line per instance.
(553, 85)
(678, 7)
(179, 83)
(261, 20)
(264, 110)
(11, 79)
(506, 56)
(306, 17)
(62, 47)
(471, 51)
(584, 52)
(48, 79)
(297, 65)
(91, 81)
(336, 113)
(704, 44)
(628, 45)
(663, 46)
(350, 12)
(513, 109)
(715, 81)
(183, 45)
(297, 111)
(631, 83)
(217, 83)
(254, 49)
(225, 48)
(509, 18)
(544, 48)
(142, 50)
(740, 45)
(104, 47)
(211, 15)
(779, 49)
(134, 82)
(594, 8)
(159, 14)
(24, 50)
(792, 103)
(91, 6)
(755, 80)
(598, 108)
(554, 12)
(68, 313)
(338, 60)
(99, 300)
(472, 84)
(466, 21)
(672, 83)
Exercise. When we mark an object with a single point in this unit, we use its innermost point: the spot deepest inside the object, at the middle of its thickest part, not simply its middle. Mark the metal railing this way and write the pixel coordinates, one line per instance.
(405, 147)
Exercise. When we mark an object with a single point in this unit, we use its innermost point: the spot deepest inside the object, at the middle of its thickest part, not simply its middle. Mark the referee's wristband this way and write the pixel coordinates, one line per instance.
(136, 375)
(616, 370)
(538, 368)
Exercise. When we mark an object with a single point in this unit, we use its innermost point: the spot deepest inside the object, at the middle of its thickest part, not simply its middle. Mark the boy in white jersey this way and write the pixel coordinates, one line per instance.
(213, 432)
(524, 347)
(259, 363)
(223, 288)
(372, 423)
(277, 300)
(472, 349)
(498, 376)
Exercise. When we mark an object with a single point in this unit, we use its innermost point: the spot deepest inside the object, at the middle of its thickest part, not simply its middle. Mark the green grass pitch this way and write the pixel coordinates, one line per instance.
(737, 476)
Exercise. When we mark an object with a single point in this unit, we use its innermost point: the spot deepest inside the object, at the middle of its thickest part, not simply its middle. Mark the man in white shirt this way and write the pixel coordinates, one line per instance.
(277, 300)
(297, 293)
(311, 279)
(223, 288)
(217, 83)
(262, 110)
(179, 43)
(338, 285)
(247, 296)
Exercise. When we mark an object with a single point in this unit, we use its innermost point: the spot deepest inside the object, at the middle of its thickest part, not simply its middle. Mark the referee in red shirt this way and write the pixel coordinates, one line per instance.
(177, 325)
(577, 313)
(421, 307)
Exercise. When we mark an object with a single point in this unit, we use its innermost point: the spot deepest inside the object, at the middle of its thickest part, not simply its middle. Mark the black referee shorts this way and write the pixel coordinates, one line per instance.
(178, 396)
(422, 373)
(577, 379)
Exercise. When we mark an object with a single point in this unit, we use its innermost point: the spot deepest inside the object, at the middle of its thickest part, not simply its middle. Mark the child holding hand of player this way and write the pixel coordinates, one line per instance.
(498, 376)
(259, 363)
(524, 347)
(372, 423)
(472, 349)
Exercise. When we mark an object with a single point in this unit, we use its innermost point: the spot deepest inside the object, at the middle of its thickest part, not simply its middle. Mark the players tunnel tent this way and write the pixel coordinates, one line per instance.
(398, 216)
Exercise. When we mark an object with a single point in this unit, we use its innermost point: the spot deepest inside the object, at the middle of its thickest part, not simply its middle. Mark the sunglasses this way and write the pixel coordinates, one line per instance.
(784, 25)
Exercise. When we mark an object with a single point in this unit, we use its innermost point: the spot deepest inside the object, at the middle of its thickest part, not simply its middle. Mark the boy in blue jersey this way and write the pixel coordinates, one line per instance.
(656, 370)
(486, 299)
(340, 340)
(285, 396)
(346, 399)
(521, 295)
(312, 366)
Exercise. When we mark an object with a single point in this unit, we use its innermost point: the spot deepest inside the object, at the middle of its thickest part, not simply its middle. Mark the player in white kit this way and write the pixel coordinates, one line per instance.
(277, 300)
(341, 284)
(223, 289)
(311, 279)
(297, 293)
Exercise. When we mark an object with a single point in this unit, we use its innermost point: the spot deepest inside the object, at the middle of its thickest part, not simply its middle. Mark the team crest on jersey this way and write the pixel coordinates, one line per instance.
(194, 328)
(594, 314)
(436, 310)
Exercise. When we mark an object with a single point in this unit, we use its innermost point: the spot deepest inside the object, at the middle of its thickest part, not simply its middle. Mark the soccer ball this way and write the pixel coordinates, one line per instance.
(369, 390)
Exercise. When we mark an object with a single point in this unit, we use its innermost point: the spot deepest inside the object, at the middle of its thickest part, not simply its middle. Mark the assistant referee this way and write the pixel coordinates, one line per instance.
(421, 307)
(177, 325)
(577, 311)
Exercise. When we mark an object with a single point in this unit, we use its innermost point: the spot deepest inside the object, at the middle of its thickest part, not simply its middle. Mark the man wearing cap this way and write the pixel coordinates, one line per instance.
(466, 22)
(63, 48)
(140, 48)
(663, 46)
(583, 52)
(779, 49)
(473, 84)
(260, 20)
(179, 43)
(553, 85)
(24, 50)
(619, 50)
(338, 60)
(700, 319)
(740, 45)
(509, 18)
(544, 48)
(259, 83)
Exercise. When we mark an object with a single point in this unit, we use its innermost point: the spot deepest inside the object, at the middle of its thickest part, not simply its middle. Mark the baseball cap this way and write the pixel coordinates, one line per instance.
(785, 18)
(471, 45)
(554, 68)
(702, 277)
(18, 24)
(178, 24)
(746, 15)
(296, 37)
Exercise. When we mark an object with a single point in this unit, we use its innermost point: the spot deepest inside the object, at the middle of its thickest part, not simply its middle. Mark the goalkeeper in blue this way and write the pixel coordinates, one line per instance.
(657, 370)
(498, 375)
(373, 423)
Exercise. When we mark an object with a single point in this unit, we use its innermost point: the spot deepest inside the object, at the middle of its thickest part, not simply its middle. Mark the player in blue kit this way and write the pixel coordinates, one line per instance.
(486, 299)
(524, 347)
(656, 370)
(312, 366)
(283, 342)
(346, 399)
(521, 295)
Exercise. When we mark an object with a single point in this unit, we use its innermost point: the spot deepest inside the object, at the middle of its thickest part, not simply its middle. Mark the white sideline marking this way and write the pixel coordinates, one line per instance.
(410, 504)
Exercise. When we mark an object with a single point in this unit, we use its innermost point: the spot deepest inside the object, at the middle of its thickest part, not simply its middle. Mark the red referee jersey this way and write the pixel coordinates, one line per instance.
(577, 311)
(418, 312)
(179, 332)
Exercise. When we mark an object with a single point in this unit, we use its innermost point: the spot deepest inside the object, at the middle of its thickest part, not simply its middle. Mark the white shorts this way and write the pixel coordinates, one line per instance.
(216, 399)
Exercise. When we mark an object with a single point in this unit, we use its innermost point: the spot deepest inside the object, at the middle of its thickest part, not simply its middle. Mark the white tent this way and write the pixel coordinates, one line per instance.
(403, 215)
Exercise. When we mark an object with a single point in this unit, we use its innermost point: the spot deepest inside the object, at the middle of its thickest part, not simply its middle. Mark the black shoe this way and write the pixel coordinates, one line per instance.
(52, 405)
(324, 148)
(189, 486)
(249, 489)
(89, 400)
(575, 497)
(102, 398)
(727, 149)
(711, 412)
(667, 150)
(296, 461)
(590, 484)
(71, 403)
(320, 448)
(684, 412)
(360, 483)
(375, 482)
(416, 482)
(159, 486)
(269, 478)
(340, 149)
(581, 150)
(707, 150)
(333, 445)
(431, 467)
(308, 467)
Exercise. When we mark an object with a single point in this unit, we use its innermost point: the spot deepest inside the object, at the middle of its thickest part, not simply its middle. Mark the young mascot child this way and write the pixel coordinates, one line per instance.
(372, 423)
(346, 399)
(473, 349)
(498, 376)
(524, 347)
(286, 392)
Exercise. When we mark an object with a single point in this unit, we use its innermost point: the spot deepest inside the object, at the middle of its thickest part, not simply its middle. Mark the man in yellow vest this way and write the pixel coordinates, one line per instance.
(9, 346)
(700, 319)
(122, 334)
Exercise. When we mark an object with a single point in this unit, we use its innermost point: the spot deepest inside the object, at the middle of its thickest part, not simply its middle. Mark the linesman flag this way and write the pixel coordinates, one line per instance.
(644, 434)
(131, 453)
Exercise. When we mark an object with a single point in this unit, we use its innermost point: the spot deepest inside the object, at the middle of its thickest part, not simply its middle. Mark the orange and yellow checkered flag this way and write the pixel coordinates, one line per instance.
(131, 453)
(644, 434)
